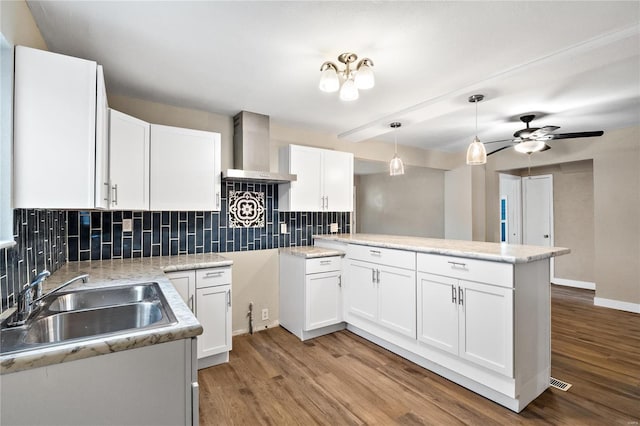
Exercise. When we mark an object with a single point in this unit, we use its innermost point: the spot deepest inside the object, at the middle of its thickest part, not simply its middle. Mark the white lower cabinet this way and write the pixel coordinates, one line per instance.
(468, 319)
(382, 294)
(310, 295)
(207, 292)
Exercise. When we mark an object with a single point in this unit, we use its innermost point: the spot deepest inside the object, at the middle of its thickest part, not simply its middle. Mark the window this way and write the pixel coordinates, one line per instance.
(6, 139)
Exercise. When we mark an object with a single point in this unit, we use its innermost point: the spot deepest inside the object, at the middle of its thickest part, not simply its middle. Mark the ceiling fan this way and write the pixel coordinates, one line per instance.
(532, 139)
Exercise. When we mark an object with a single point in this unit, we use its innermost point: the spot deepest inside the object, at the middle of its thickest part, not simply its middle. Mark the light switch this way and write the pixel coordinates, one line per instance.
(283, 228)
(127, 225)
(333, 228)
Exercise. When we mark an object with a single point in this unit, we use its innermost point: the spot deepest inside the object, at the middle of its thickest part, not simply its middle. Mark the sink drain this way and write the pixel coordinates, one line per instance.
(559, 384)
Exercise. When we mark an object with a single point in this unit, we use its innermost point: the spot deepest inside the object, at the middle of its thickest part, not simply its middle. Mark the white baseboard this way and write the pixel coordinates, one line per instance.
(574, 283)
(617, 304)
(240, 331)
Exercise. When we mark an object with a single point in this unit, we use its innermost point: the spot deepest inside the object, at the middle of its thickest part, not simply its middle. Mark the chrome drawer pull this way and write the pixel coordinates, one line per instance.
(460, 293)
(213, 274)
(453, 294)
(457, 264)
(325, 262)
(375, 252)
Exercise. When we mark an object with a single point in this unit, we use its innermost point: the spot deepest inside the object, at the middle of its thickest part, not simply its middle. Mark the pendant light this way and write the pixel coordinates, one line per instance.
(476, 153)
(396, 167)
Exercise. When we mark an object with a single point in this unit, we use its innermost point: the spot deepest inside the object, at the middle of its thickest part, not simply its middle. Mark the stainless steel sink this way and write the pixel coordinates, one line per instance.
(87, 314)
(101, 297)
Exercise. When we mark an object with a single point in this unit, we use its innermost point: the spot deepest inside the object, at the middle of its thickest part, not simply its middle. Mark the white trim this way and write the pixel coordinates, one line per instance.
(617, 304)
(256, 329)
(573, 283)
(7, 244)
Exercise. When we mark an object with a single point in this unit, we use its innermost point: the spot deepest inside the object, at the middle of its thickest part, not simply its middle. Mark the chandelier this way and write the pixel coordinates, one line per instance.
(349, 80)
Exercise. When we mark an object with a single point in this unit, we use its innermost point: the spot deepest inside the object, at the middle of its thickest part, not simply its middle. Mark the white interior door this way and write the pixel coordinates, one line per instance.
(537, 206)
(510, 209)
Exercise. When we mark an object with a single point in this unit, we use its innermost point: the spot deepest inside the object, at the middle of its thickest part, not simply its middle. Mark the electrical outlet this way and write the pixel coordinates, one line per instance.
(333, 228)
(265, 314)
(283, 228)
(127, 225)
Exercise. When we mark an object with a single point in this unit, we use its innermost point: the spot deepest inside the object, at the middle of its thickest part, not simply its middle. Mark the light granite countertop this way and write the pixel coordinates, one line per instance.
(112, 273)
(497, 252)
(311, 252)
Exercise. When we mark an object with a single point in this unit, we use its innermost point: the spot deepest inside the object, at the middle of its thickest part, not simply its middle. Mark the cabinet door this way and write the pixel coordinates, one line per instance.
(362, 290)
(102, 144)
(305, 192)
(54, 130)
(486, 326)
(213, 310)
(323, 298)
(438, 311)
(185, 284)
(397, 299)
(337, 180)
(185, 169)
(128, 162)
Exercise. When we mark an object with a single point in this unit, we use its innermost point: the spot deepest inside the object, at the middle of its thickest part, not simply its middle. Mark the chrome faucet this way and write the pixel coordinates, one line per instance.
(26, 300)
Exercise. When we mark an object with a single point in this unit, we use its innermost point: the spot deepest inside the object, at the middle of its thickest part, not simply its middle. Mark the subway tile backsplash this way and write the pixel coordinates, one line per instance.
(40, 237)
(99, 235)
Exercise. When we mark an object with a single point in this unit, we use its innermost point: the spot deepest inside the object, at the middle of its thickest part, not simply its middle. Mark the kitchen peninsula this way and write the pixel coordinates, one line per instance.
(476, 313)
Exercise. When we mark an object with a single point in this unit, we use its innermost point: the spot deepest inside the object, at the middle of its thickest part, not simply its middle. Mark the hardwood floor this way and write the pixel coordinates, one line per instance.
(273, 378)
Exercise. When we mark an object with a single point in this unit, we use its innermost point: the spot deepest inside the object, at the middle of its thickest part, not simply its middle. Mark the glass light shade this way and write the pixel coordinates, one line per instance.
(396, 167)
(527, 147)
(329, 81)
(349, 91)
(364, 78)
(476, 153)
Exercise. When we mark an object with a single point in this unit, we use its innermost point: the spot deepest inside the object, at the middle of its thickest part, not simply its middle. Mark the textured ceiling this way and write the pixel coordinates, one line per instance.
(576, 64)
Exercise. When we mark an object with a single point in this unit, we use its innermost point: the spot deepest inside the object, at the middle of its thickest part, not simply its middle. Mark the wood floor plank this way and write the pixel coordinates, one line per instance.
(342, 379)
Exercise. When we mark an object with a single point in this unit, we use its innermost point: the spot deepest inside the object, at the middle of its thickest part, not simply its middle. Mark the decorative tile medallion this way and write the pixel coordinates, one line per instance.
(246, 209)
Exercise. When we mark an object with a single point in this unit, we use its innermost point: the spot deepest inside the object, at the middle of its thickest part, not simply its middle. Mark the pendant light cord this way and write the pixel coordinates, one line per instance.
(476, 102)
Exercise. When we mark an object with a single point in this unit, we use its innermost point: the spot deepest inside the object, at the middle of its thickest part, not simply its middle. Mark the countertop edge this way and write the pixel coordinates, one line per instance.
(421, 245)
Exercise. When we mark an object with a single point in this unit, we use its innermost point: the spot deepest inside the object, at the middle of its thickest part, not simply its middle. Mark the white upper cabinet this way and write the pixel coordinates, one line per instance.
(128, 162)
(324, 183)
(54, 130)
(185, 169)
(102, 144)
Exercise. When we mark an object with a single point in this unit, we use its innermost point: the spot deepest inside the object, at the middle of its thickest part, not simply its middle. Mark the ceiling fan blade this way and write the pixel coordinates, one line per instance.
(498, 150)
(543, 131)
(576, 135)
(503, 141)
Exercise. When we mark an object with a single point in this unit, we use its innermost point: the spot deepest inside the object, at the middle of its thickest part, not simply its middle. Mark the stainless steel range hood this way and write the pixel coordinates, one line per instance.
(251, 151)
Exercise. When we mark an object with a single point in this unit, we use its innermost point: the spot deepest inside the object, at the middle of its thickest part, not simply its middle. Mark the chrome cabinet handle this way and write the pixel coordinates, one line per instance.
(460, 293)
(325, 262)
(378, 276)
(191, 303)
(115, 194)
(107, 193)
(213, 274)
(229, 298)
(327, 197)
(218, 199)
(457, 264)
(375, 252)
(339, 280)
(373, 275)
(453, 294)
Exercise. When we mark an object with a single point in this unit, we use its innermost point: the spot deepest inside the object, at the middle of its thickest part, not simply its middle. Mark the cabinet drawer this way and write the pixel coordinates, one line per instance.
(323, 264)
(382, 256)
(467, 269)
(212, 277)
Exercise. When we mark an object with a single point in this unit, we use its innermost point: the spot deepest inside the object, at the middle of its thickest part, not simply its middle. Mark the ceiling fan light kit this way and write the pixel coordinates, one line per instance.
(396, 166)
(360, 78)
(476, 153)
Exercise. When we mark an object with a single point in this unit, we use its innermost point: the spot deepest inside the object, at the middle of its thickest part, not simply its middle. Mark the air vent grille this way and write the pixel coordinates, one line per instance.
(559, 384)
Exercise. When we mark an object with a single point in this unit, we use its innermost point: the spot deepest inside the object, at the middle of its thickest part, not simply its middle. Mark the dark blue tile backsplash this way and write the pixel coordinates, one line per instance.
(100, 235)
(40, 237)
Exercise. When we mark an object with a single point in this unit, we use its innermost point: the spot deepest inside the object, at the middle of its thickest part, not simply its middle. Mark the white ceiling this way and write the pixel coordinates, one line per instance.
(576, 64)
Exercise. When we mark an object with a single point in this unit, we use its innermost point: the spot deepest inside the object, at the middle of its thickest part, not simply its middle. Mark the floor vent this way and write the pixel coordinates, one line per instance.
(559, 384)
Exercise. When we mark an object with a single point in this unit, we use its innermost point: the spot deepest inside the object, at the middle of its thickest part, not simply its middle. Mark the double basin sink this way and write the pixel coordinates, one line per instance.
(87, 314)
